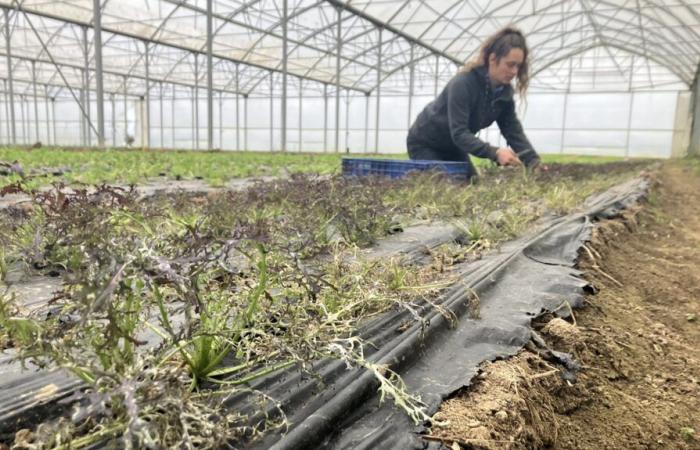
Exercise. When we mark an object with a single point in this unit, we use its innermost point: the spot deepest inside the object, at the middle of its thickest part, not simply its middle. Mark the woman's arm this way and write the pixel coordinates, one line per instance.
(512, 130)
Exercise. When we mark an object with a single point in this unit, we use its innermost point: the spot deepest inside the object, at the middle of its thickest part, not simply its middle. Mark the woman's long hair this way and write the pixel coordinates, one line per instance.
(500, 44)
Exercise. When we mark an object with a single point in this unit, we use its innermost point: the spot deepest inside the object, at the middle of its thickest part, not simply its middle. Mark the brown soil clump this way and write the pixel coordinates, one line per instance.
(637, 340)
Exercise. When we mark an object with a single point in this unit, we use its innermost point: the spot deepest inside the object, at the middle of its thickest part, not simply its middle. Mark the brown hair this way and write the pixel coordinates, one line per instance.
(500, 44)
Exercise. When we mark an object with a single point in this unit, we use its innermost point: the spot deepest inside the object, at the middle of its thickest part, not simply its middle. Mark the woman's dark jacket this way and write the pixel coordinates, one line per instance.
(468, 104)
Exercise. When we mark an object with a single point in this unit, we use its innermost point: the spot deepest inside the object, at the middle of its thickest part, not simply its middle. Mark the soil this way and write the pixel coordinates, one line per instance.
(637, 340)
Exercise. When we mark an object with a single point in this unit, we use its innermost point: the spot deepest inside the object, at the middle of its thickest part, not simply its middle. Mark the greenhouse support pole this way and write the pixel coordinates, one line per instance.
(325, 117)
(172, 118)
(99, 88)
(301, 112)
(194, 120)
(36, 103)
(238, 122)
(347, 121)
(7, 110)
(160, 112)
(563, 121)
(113, 104)
(210, 78)
(53, 119)
(86, 88)
(379, 93)
(141, 121)
(411, 84)
(83, 139)
(22, 116)
(8, 51)
(4, 118)
(46, 114)
(245, 122)
(285, 49)
(339, 42)
(196, 101)
(147, 97)
(272, 113)
(221, 120)
(629, 125)
(126, 117)
(694, 144)
(437, 75)
(367, 122)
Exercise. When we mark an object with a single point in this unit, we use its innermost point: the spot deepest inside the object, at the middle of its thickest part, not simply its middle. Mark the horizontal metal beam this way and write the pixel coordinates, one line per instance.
(351, 9)
(112, 72)
(15, 6)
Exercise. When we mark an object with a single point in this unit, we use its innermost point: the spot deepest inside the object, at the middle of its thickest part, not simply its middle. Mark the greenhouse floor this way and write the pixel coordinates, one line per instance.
(637, 340)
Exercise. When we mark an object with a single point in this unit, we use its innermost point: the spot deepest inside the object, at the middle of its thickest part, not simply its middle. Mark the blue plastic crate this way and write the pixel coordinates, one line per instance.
(395, 168)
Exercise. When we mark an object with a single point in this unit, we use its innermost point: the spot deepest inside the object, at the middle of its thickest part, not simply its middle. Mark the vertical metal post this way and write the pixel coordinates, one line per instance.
(238, 122)
(53, 119)
(8, 51)
(83, 127)
(194, 120)
(347, 121)
(339, 44)
(301, 98)
(147, 96)
(272, 116)
(172, 118)
(4, 118)
(86, 84)
(563, 122)
(379, 93)
(210, 78)
(97, 21)
(46, 114)
(437, 75)
(284, 75)
(566, 106)
(36, 103)
(142, 122)
(629, 125)
(126, 109)
(160, 112)
(21, 106)
(411, 82)
(196, 101)
(245, 122)
(7, 111)
(325, 117)
(367, 122)
(114, 120)
(220, 145)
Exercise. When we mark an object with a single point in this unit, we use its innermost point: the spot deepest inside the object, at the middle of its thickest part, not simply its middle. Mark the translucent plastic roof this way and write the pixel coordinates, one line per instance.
(576, 44)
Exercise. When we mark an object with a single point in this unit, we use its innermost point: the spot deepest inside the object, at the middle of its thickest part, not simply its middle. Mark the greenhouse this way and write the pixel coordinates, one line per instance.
(242, 224)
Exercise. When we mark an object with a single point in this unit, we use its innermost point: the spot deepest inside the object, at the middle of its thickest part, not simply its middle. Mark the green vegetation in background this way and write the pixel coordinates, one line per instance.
(93, 166)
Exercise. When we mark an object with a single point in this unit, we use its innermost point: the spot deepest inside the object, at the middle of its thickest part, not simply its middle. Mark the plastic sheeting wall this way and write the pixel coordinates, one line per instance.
(620, 124)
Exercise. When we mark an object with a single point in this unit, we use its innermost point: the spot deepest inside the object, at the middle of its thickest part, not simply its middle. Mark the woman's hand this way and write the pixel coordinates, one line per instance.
(507, 157)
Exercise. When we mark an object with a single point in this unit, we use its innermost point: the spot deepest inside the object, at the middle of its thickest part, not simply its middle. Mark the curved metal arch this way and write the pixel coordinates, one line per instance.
(602, 44)
(657, 21)
(659, 59)
(570, 31)
(665, 62)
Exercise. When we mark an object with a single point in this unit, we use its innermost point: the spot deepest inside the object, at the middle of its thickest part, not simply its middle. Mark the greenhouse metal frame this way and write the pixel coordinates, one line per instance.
(102, 51)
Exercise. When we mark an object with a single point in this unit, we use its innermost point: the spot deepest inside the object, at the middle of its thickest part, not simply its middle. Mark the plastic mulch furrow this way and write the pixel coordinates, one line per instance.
(26, 395)
(522, 280)
(339, 408)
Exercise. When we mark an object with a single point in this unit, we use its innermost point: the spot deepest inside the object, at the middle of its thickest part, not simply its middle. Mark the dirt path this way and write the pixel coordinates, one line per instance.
(638, 341)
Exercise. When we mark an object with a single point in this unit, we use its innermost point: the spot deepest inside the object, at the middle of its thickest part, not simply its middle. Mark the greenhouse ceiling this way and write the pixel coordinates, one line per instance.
(356, 45)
